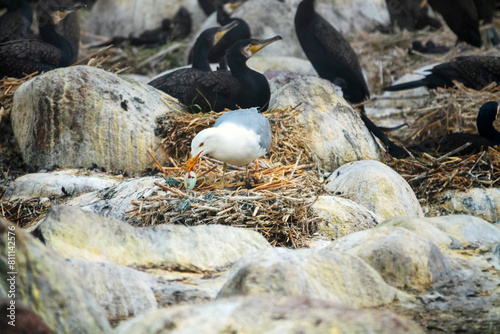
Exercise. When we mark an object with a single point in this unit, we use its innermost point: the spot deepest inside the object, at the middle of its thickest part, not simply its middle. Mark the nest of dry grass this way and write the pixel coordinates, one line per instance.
(277, 202)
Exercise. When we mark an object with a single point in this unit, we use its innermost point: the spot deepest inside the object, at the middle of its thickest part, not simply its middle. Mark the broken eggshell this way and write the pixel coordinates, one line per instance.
(190, 180)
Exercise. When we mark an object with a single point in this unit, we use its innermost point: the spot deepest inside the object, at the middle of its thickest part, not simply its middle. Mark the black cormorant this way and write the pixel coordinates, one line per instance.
(462, 18)
(16, 22)
(488, 135)
(393, 149)
(178, 83)
(241, 87)
(329, 53)
(475, 72)
(241, 31)
(26, 56)
(486, 11)
(410, 14)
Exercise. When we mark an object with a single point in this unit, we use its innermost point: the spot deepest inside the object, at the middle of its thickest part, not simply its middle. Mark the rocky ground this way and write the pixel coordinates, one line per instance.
(334, 235)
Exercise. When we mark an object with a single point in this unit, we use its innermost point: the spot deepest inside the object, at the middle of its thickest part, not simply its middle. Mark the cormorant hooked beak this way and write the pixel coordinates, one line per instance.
(254, 48)
(224, 30)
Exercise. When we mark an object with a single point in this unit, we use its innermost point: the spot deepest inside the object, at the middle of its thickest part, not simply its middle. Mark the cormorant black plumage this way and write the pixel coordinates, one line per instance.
(462, 18)
(393, 149)
(26, 56)
(488, 135)
(410, 14)
(241, 87)
(240, 32)
(16, 22)
(178, 83)
(486, 11)
(475, 72)
(330, 54)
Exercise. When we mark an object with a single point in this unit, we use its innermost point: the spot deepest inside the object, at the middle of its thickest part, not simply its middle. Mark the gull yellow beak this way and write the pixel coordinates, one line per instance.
(193, 161)
(224, 30)
(260, 44)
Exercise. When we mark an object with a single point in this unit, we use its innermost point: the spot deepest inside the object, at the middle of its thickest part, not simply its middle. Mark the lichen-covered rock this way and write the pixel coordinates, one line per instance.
(375, 186)
(121, 291)
(46, 284)
(78, 234)
(82, 116)
(70, 182)
(341, 216)
(320, 273)
(479, 202)
(404, 259)
(268, 314)
(422, 227)
(336, 133)
(470, 231)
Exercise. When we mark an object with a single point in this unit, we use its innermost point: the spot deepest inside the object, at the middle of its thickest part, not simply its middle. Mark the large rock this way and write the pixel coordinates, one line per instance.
(422, 227)
(70, 182)
(335, 132)
(268, 314)
(470, 231)
(117, 200)
(83, 116)
(375, 186)
(341, 216)
(320, 273)
(47, 285)
(121, 291)
(124, 17)
(479, 202)
(404, 259)
(78, 234)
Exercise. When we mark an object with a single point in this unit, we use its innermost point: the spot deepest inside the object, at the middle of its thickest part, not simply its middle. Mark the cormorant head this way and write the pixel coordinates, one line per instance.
(62, 12)
(223, 31)
(250, 47)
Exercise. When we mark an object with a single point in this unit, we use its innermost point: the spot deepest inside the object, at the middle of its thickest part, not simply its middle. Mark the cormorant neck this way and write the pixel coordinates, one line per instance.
(49, 35)
(305, 12)
(237, 63)
(485, 119)
(200, 58)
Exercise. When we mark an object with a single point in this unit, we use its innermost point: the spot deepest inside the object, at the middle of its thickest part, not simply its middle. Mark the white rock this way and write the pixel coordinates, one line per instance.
(116, 201)
(342, 216)
(404, 259)
(74, 182)
(479, 202)
(268, 314)
(121, 291)
(375, 186)
(336, 134)
(471, 231)
(422, 227)
(77, 234)
(320, 273)
(80, 116)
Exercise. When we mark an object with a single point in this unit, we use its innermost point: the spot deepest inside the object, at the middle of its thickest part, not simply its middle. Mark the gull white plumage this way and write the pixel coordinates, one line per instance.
(237, 138)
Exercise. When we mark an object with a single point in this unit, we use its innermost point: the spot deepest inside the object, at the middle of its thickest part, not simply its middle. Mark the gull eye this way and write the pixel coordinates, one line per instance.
(201, 144)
